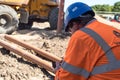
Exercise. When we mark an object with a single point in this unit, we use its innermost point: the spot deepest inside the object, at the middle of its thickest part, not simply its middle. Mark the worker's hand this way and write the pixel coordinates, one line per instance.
(56, 65)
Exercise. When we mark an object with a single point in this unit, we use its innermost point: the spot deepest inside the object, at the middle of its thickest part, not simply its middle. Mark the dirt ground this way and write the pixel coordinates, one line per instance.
(15, 67)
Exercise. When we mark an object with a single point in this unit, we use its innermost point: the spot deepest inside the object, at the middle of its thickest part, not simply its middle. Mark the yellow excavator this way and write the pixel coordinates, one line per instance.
(20, 14)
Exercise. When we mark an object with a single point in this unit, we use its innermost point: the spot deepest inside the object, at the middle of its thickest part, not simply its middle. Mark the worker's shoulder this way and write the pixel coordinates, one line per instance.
(79, 34)
(98, 26)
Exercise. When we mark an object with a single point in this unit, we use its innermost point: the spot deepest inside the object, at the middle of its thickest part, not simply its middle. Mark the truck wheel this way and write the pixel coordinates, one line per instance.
(53, 18)
(8, 20)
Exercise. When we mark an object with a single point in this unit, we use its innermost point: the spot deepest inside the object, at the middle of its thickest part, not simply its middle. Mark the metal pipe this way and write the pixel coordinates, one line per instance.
(60, 17)
(39, 51)
(27, 55)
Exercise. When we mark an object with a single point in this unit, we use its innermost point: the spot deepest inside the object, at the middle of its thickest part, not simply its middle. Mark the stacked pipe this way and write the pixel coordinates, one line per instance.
(29, 56)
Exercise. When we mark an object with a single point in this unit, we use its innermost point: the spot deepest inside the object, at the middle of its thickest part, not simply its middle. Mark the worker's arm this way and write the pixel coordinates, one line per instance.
(77, 56)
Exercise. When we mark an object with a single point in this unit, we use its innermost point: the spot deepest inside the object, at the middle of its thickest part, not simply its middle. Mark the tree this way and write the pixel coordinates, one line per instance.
(104, 7)
(116, 7)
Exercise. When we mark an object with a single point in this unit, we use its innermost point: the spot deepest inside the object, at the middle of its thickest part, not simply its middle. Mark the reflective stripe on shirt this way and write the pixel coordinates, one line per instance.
(112, 65)
(102, 43)
(106, 68)
(74, 70)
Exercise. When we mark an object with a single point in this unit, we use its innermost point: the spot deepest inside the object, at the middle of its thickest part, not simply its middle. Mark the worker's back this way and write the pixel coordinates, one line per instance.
(93, 54)
(105, 54)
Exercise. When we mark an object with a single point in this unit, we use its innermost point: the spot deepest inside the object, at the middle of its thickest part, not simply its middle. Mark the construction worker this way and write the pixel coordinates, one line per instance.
(93, 52)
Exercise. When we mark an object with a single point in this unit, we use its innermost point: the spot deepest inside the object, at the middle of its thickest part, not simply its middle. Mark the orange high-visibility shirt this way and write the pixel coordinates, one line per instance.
(87, 59)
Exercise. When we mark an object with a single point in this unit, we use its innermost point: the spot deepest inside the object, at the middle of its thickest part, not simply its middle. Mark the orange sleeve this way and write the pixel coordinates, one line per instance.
(77, 54)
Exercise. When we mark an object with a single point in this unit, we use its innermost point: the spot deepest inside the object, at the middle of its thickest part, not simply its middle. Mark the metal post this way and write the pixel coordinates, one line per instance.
(60, 16)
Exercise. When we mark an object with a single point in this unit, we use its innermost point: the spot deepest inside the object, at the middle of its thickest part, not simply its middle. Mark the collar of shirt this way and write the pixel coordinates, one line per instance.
(90, 22)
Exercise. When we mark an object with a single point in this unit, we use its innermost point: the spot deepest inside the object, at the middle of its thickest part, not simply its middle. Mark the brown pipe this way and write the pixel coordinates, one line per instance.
(27, 55)
(39, 51)
(60, 16)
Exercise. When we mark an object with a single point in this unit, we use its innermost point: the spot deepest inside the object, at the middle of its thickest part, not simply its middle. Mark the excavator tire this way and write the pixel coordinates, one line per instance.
(8, 20)
(53, 18)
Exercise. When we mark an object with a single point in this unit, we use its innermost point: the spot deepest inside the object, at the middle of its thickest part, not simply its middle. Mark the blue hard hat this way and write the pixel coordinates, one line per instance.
(75, 10)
